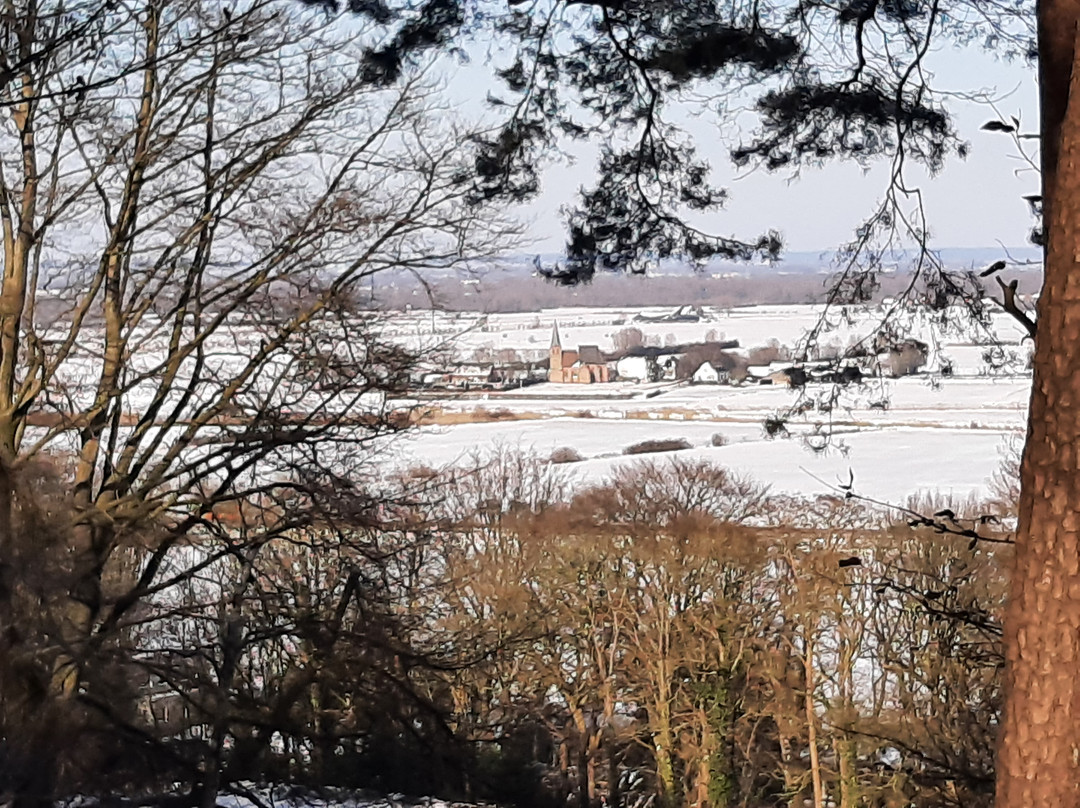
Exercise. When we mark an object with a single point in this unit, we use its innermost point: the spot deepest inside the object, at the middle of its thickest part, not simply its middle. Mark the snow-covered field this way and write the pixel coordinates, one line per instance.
(939, 434)
(530, 334)
(888, 462)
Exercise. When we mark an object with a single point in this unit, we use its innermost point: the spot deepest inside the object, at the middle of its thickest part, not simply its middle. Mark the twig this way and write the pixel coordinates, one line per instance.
(1008, 303)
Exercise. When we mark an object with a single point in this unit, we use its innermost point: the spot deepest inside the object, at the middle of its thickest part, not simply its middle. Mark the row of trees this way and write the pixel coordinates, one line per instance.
(674, 637)
(191, 198)
(150, 157)
(684, 639)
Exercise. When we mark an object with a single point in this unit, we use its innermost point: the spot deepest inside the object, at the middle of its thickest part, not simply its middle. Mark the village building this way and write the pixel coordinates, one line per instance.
(710, 373)
(648, 364)
(757, 372)
(781, 374)
(586, 365)
(638, 368)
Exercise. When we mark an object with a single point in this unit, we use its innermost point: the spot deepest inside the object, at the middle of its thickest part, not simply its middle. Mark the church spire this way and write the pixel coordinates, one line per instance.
(556, 342)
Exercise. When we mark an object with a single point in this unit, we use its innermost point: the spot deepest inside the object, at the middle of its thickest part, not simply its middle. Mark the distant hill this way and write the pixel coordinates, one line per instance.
(791, 263)
(510, 283)
(513, 288)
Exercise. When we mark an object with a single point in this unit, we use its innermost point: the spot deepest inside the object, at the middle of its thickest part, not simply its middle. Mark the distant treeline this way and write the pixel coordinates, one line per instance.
(495, 293)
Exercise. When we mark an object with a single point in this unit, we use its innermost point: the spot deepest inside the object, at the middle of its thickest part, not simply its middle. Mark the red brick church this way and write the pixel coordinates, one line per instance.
(584, 366)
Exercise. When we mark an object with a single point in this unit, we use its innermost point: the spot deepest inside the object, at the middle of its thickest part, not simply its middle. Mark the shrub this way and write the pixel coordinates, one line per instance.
(775, 427)
(719, 439)
(627, 338)
(652, 446)
(771, 351)
(906, 360)
(566, 454)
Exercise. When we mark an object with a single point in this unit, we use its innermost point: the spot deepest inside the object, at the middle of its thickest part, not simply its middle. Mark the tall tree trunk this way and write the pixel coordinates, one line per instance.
(717, 783)
(844, 747)
(614, 790)
(811, 723)
(844, 738)
(663, 737)
(610, 740)
(1039, 757)
(564, 767)
(585, 772)
(703, 781)
(794, 783)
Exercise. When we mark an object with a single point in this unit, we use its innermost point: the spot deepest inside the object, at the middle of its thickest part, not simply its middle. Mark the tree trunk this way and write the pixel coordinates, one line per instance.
(1039, 757)
(584, 773)
(716, 773)
(794, 784)
(846, 758)
(811, 724)
(707, 793)
(663, 744)
(614, 795)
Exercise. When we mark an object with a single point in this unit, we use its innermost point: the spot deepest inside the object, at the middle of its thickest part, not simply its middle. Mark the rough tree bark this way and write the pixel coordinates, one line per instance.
(1039, 757)
(811, 721)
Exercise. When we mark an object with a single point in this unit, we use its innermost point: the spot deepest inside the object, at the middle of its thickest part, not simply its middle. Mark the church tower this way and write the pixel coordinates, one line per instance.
(555, 370)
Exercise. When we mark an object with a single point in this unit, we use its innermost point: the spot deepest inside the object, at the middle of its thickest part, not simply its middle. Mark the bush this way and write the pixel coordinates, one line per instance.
(566, 454)
(627, 338)
(652, 446)
(771, 351)
(908, 359)
(719, 439)
(775, 427)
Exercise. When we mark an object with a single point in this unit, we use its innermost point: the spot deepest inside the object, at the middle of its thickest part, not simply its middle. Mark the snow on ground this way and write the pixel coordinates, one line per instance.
(941, 434)
(300, 797)
(936, 433)
(979, 403)
(888, 463)
(752, 326)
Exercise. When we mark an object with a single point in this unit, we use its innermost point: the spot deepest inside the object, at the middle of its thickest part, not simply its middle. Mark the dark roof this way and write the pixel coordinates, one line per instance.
(590, 355)
(656, 351)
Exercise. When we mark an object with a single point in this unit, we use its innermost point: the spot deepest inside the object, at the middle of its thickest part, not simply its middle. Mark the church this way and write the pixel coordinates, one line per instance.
(586, 365)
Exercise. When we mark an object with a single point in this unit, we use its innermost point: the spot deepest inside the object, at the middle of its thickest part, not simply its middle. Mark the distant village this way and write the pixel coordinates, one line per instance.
(716, 362)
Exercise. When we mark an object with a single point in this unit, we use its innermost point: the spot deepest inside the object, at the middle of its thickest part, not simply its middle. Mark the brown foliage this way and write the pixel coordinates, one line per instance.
(766, 354)
(629, 337)
(707, 352)
(652, 446)
(681, 624)
(566, 454)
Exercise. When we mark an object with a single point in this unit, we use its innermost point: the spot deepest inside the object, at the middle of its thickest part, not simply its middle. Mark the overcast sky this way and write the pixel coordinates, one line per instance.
(972, 203)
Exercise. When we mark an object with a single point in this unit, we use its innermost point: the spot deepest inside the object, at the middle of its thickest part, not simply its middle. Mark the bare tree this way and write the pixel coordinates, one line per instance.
(629, 337)
(190, 199)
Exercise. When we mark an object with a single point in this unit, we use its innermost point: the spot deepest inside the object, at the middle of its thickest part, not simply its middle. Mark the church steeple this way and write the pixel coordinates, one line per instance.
(555, 361)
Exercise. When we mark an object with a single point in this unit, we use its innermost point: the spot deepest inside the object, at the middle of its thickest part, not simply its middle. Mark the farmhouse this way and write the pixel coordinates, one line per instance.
(638, 368)
(785, 374)
(710, 373)
(648, 363)
(586, 365)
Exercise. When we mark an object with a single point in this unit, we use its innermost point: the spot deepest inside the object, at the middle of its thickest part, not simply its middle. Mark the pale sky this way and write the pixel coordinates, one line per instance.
(972, 203)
